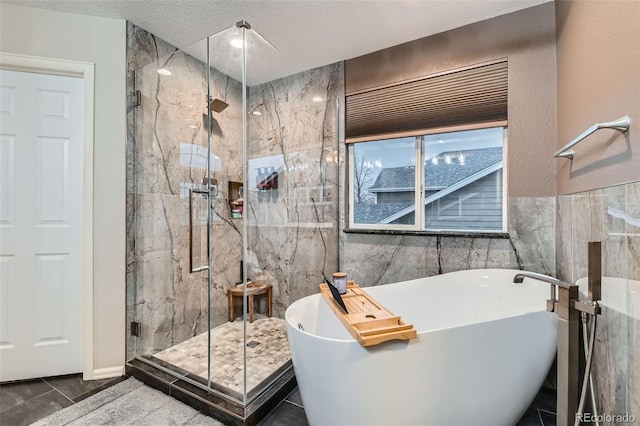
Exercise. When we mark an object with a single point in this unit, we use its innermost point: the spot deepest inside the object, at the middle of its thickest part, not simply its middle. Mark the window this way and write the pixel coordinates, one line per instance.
(442, 168)
(459, 176)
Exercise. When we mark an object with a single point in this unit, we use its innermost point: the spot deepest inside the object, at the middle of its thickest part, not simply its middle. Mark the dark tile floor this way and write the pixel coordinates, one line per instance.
(288, 413)
(26, 402)
(22, 403)
(542, 411)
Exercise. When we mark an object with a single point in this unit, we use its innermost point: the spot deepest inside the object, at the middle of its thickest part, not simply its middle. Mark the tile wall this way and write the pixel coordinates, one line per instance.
(293, 229)
(529, 246)
(610, 215)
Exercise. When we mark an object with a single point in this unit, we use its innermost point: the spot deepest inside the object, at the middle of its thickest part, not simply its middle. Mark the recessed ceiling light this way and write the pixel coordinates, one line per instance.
(164, 71)
(236, 42)
(316, 99)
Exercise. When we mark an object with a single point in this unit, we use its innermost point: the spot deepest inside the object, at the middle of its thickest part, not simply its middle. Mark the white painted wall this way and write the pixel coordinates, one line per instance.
(37, 32)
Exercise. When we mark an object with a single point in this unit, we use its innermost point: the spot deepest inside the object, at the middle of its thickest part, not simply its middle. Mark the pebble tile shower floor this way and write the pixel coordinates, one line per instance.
(267, 353)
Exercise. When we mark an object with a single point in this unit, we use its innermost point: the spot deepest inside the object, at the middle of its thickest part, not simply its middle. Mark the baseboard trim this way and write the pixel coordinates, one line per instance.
(107, 373)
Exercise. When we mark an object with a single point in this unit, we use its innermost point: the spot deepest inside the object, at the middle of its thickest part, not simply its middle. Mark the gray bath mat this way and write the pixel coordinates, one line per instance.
(128, 403)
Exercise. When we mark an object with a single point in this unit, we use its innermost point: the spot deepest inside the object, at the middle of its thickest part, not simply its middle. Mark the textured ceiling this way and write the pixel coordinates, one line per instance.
(309, 33)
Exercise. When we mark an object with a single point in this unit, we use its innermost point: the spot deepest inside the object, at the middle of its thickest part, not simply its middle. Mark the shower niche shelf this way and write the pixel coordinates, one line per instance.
(235, 200)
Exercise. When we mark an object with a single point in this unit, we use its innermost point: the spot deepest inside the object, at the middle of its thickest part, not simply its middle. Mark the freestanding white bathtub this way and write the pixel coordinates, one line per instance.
(484, 348)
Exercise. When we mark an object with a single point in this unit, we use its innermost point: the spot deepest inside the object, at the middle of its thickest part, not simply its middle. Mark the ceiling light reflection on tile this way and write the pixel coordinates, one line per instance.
(164, 71)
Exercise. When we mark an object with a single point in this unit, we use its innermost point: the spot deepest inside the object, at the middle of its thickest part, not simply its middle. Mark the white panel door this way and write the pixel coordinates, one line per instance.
(41, 154)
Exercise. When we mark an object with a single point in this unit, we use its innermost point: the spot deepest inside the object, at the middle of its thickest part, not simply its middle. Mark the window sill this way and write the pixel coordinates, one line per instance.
(461, 234)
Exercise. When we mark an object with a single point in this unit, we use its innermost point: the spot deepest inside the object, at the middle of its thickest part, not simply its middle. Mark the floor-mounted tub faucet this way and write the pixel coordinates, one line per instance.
(568, 343)
(568, 308)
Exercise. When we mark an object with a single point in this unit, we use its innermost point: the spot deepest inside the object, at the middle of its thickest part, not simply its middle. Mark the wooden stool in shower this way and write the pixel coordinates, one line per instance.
(253, 289)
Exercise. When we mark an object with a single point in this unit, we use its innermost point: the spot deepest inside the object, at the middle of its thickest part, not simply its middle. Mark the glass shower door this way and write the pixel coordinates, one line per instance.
(169, 190)
(240, 59)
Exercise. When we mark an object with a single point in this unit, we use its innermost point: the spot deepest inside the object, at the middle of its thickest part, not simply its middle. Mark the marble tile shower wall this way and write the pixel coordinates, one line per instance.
(530, 246)
(166, 152)
(293, 229)
(612, 216)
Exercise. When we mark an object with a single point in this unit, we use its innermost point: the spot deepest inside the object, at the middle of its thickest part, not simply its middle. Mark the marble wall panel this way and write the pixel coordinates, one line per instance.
(614, 250)
(633, 339)
(170, 106)
(610, 361)
(169, 309)
(132, 264)
(312, 254)
(226, 255)
(270, 256)
(609, 215)
(633, 300)
(168, 297)
(458, 253)
(293, 258)
(588, 213)
(389, 257)
(564, 235)
(144, 48)
(266, 208)
(633, 232)
(532, 224)
(293, 230)
(530, 246)
(226, 132)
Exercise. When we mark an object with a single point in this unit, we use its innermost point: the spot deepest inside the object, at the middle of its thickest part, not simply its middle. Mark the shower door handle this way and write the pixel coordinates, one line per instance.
(204, 193)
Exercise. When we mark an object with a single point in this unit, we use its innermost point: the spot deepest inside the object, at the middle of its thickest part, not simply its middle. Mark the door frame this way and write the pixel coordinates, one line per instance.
(84, 70)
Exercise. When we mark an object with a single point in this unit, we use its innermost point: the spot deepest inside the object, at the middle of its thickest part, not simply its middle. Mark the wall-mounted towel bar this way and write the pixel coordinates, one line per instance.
(621, 124)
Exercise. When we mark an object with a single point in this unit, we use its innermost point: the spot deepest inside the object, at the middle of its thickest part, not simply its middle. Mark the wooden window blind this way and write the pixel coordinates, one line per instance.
(469, 96)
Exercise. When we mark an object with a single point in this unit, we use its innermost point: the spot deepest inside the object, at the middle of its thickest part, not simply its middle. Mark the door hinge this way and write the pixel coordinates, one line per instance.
(137, 99)
(135, 328)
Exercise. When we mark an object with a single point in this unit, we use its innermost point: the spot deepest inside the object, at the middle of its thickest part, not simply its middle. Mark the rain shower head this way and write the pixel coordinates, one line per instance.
(217, 105)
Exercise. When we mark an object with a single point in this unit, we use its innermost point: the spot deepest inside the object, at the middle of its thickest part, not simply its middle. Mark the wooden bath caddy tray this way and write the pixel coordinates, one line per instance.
(368, 321)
